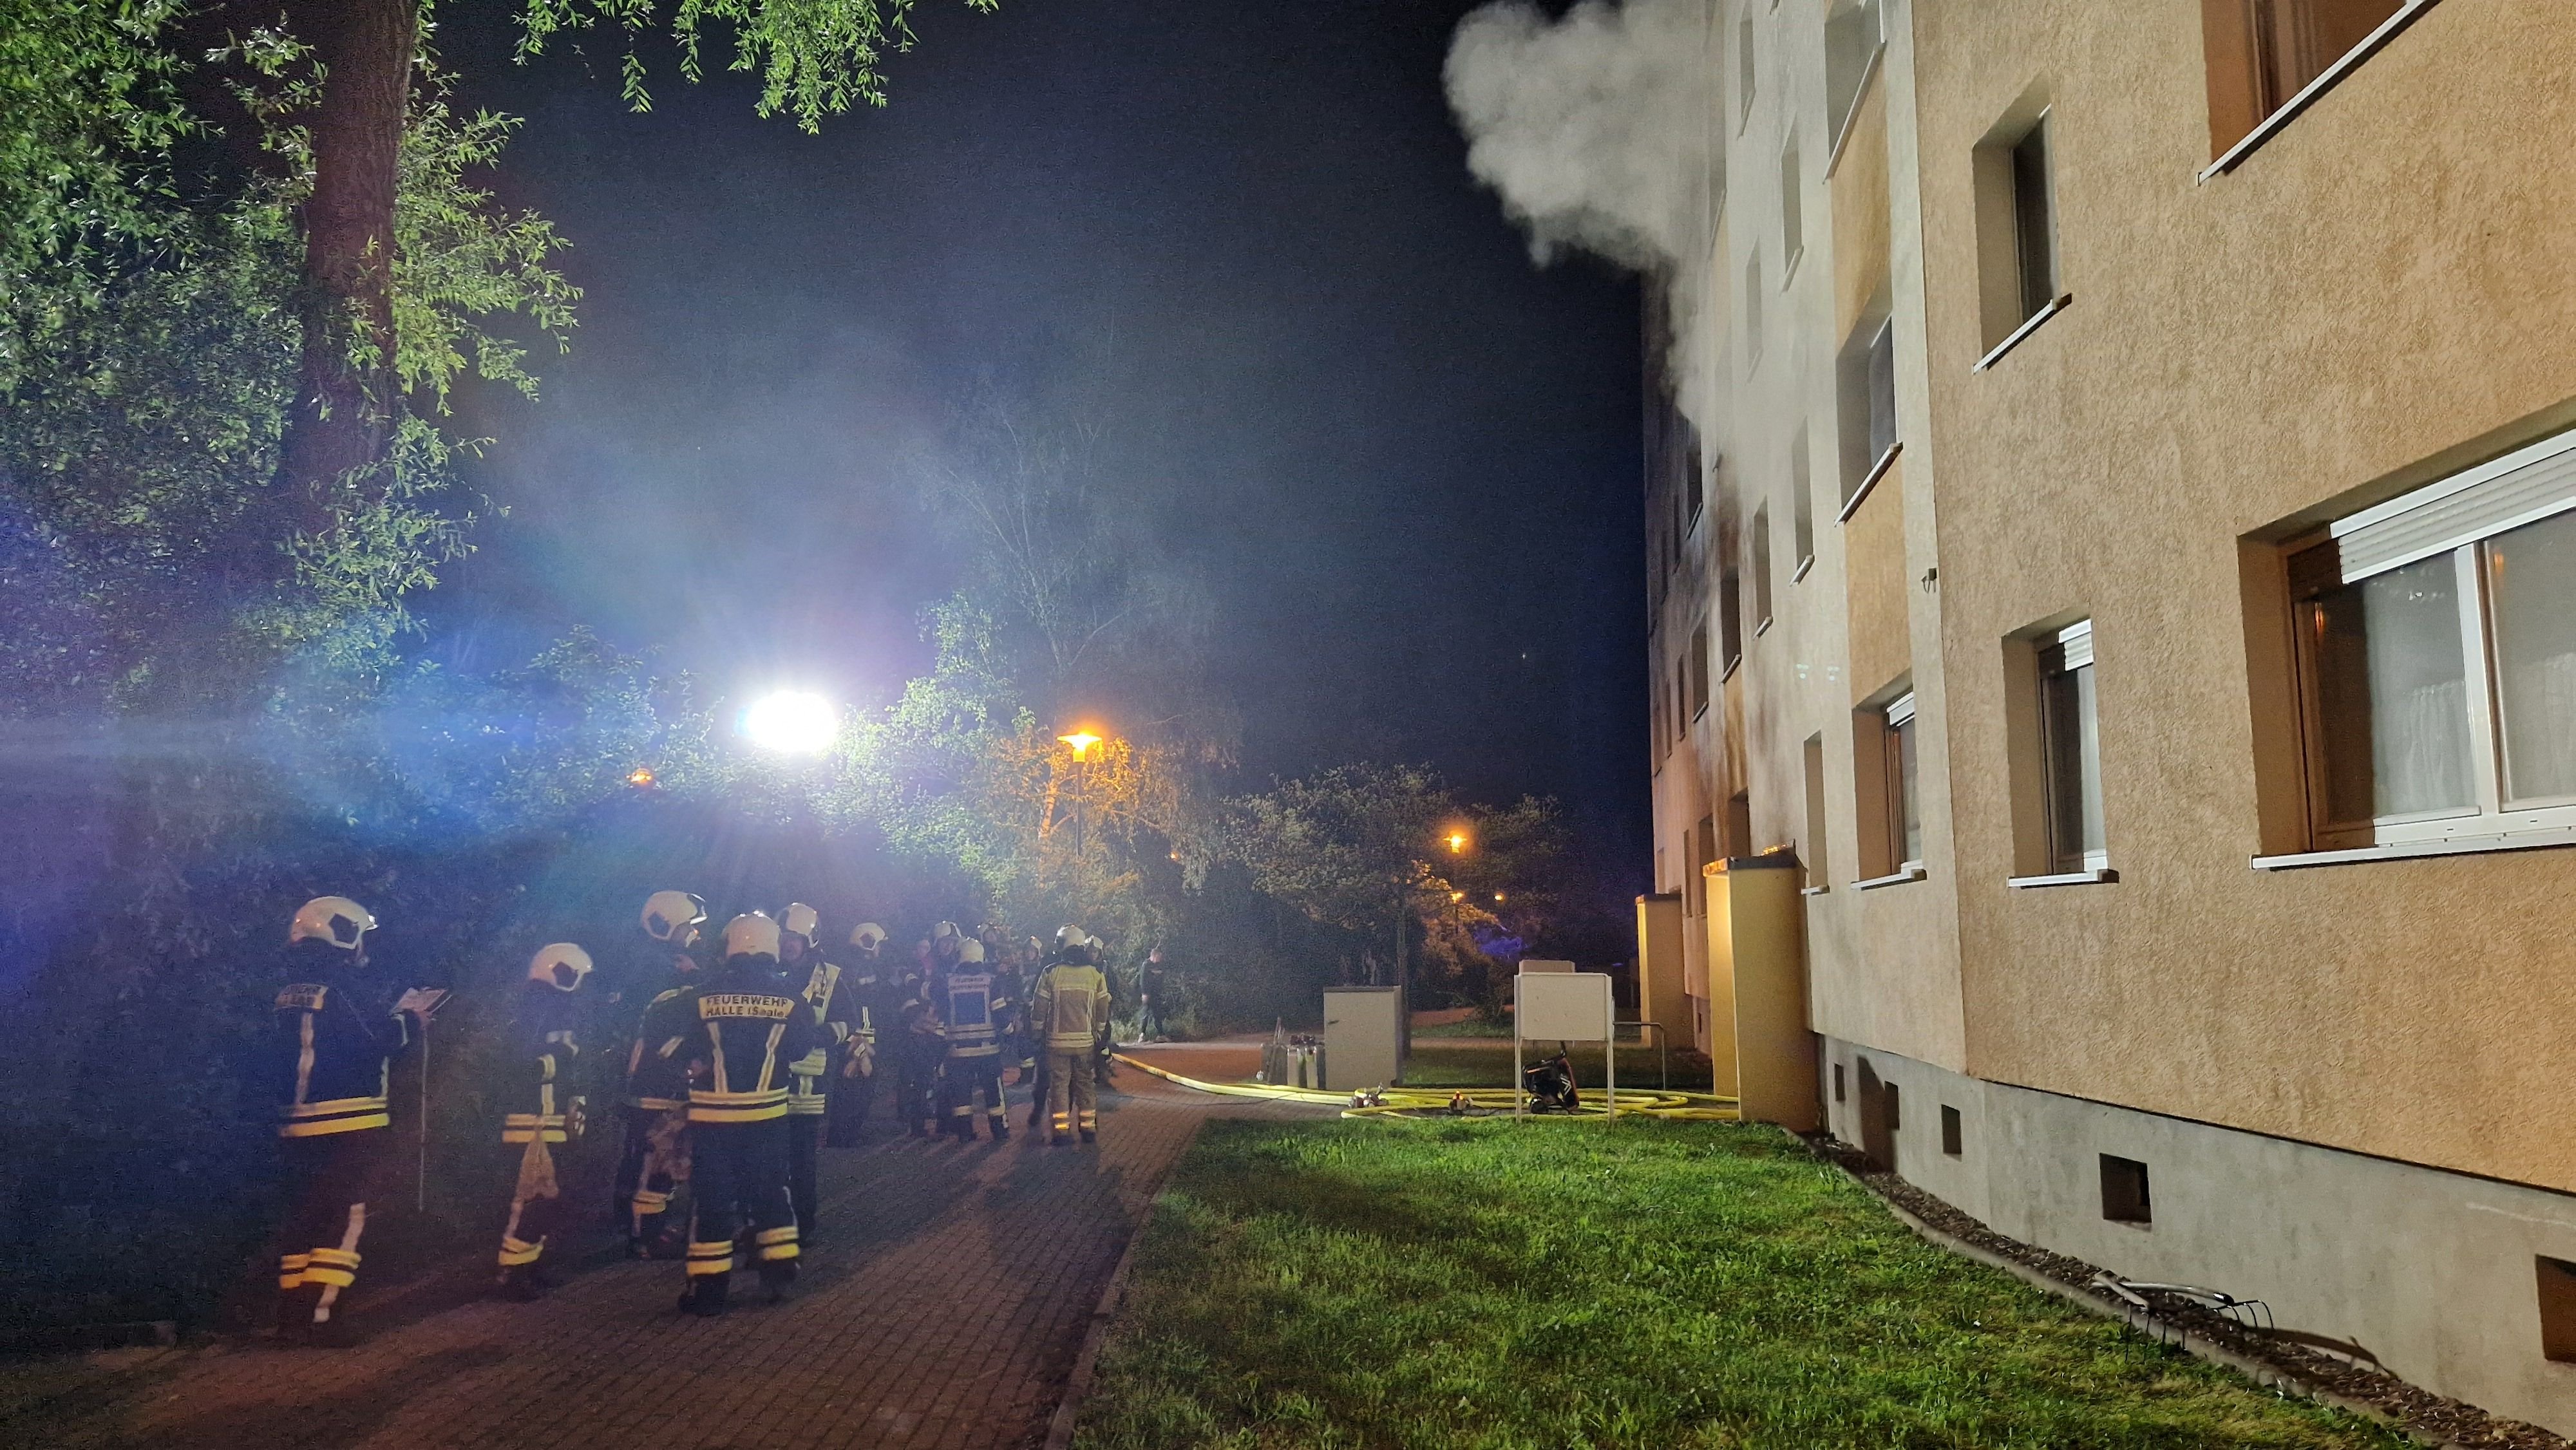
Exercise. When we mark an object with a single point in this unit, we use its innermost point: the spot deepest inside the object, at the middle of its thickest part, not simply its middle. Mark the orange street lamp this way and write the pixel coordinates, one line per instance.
(1457, 896)
(1457, 843)
(1498, 898)
(1081, 741)
(641, 777)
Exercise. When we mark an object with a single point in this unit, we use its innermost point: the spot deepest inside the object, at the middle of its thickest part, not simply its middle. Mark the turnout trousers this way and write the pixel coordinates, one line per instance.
(537, 1209)
(738, 1174)
(1073, 1094)
(804, 1136)
(330, 1178)
(967, 1076)
(851, 1098)
(913, 1092)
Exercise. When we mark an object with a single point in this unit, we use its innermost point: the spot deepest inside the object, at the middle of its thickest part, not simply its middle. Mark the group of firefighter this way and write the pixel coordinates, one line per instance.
(752, 1053)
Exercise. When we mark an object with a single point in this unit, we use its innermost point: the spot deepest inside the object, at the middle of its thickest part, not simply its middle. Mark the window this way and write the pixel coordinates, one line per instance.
(2016, 200)
(2436, 655)
(2124, 1191)
(2267, 58)
(1951, 1132)
(2034, 221)
(1865, 377)
(1730, 619)
(2557, 1309)
(1793, 235)
(1885, 787)
(1752, 308)
(1904, 816)
(1838, 1082)
(1655, 731)
(2071, 743)
(1895, 1105)
(1697, 665)
(1855, 35)
(1813, 848)
(1703, 850)
(1802, 505)
(1761, 543)
(1744, 67)
(1693, 486)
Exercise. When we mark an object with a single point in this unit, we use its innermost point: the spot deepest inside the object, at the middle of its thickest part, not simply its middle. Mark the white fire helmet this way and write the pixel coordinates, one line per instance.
(751, 934)
(867, 936)
(560, 966)
(969, 950)
(334, 919)
(943, 931)
(803, 920)
(1070, 935)
(673, 916)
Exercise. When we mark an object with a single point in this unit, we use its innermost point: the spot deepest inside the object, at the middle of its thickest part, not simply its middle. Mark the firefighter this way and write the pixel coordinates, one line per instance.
(810, 1076)
(1071, 1006)
(656, 1102)
(975, 1008)
(919, 1049)
(337, 1037)
(542, 1111)
(748, 1029)
(875, 1007)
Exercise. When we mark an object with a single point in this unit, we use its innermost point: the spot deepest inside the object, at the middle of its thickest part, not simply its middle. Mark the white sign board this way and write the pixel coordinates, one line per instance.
(1564, 1007)
(1542, 964)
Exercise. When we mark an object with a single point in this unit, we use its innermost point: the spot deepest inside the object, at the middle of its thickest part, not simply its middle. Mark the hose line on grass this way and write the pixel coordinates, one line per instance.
(1413, 1102)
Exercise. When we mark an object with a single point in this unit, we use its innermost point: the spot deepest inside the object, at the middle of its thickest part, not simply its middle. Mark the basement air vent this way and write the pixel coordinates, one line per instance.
(2124, 1191)
(1950, 1132)
(2557, 1310)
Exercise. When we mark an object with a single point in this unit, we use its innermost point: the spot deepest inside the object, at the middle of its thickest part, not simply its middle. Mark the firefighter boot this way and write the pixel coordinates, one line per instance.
(1091, 1135)
(778, 1276)
(705, 1296)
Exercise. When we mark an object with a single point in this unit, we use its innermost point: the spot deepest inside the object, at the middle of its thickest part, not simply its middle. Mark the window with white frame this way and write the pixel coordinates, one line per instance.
(1884, 792)
(2071, 742)
(1759, 543)
(2436, 653)
(1855, 34)
(1802, 505)
(1793, 225)
(1904, 815)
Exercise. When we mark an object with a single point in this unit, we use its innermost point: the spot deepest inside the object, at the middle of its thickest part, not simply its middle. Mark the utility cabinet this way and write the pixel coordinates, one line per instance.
(1363, 1038)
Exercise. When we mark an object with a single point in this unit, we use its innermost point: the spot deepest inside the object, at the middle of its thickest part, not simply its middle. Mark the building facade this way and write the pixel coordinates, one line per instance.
(2125, 547)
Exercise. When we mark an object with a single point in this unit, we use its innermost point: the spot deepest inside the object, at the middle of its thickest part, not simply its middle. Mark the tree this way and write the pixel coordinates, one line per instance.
(814, 58)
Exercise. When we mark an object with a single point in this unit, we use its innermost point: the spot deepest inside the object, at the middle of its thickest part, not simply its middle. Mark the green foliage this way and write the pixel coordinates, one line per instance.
(815, 58)
(88, 114)
(1640, 1285)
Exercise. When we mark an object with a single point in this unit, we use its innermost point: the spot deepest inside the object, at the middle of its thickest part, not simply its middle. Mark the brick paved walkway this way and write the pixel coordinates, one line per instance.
(943, 1308)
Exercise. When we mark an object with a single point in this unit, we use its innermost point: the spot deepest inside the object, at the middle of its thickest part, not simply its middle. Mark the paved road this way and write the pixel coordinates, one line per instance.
(943, 1307)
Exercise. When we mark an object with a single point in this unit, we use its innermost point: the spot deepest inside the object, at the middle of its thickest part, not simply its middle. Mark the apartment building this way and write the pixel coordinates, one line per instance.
(2124, 554)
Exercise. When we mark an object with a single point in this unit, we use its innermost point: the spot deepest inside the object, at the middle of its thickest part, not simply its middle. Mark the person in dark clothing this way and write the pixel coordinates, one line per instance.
(921, 1047)
(542, 1110)
(811, 1077)
(876, 1010)
(748, 1029)
(974, 1015)
(655, 1161)
(1153, 984)
(337, 1037)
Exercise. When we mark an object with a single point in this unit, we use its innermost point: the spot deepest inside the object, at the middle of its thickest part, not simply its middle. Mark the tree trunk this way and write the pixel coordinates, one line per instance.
(346, 398)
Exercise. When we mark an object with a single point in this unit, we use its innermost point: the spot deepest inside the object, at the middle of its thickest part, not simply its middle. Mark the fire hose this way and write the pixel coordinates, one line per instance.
(1415, 1102)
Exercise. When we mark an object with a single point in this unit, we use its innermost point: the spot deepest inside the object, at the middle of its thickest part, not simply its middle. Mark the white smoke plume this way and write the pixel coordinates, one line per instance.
(1595, 131)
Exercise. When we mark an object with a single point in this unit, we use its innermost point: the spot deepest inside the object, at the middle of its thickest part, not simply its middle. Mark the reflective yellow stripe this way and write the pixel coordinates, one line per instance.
(334, 1125)
(515, 1252)
(336, 1278)
(772, 1253)
(373, 1103)
(699, 1114)
(785, 1235)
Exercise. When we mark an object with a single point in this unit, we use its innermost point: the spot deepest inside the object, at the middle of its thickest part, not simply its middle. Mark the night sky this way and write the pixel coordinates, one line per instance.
(1405, 458)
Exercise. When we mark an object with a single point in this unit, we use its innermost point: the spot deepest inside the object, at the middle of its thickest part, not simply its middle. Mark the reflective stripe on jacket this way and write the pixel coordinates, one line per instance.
(1071, 1006)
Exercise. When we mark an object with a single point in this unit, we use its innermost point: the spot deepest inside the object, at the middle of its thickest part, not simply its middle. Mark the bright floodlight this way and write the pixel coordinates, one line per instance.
(791, 722)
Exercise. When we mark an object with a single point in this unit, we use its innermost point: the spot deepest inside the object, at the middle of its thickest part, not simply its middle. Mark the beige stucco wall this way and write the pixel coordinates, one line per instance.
(2389, 278)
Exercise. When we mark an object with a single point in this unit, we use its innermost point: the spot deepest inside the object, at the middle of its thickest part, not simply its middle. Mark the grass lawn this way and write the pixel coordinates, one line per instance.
(1396, 1284)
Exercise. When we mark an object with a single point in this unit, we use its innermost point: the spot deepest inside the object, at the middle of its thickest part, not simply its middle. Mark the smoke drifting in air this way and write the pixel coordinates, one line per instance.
(1594, 129)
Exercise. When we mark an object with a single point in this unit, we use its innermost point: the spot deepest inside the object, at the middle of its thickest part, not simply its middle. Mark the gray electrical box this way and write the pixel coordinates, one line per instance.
(1363, 1038)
